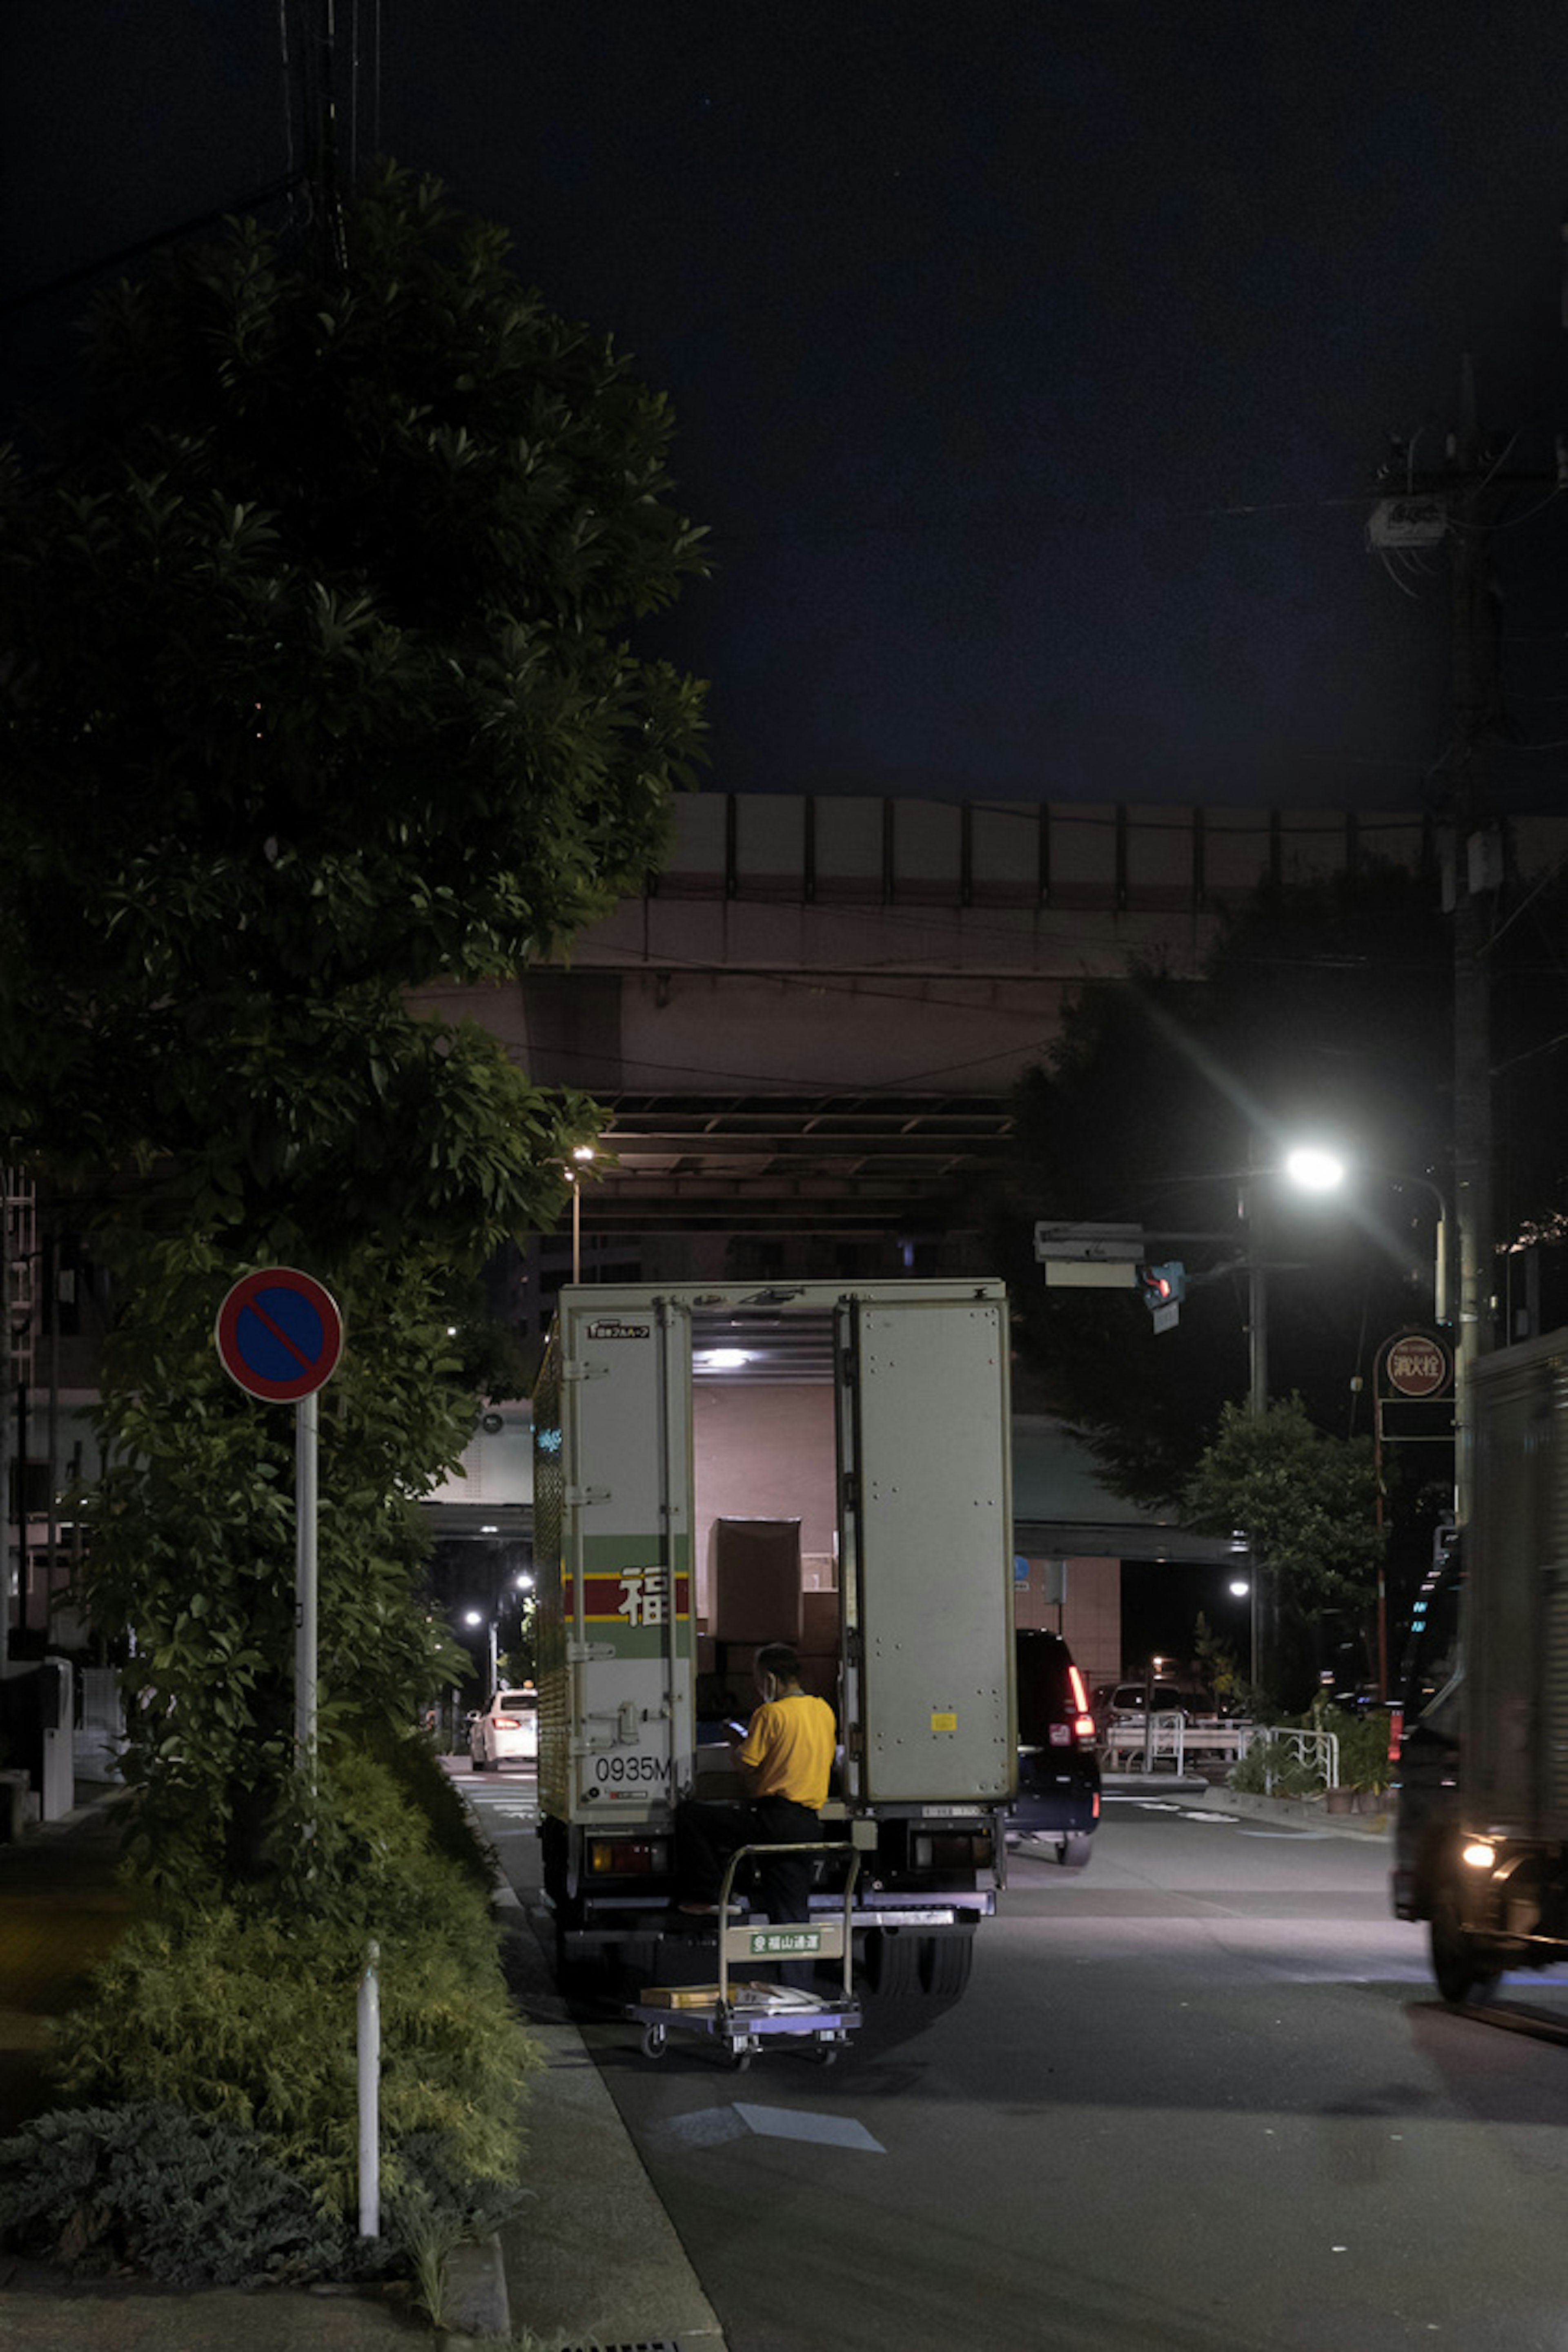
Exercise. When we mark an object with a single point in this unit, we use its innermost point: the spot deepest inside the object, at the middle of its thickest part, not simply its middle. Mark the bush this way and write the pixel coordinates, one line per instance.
(195, 2201)
(246, 2015)
(1273, 1762)
(1363, 1754)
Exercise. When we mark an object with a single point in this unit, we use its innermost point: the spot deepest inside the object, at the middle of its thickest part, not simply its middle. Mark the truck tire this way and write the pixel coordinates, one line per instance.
(1073, 1850)
(893, 1963)
(945, 1963)
(1463, 1963)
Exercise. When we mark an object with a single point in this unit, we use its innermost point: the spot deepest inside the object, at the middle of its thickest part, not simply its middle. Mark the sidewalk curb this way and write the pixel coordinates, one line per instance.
(636, 2285)
(1295, 1812)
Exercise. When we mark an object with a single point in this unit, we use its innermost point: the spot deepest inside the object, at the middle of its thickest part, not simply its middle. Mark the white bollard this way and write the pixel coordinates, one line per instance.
(369, 2096)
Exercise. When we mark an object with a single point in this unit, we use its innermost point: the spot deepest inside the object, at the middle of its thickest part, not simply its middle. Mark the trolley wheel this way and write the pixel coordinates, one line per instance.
(739, 2062)
(655, 2040)
(826, 2053)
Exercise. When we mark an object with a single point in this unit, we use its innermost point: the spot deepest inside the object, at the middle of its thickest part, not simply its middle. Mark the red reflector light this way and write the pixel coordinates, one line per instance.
(1395, 1732)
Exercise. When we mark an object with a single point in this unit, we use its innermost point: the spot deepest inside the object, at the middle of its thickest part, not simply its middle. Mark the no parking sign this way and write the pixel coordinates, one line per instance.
(280, 1334)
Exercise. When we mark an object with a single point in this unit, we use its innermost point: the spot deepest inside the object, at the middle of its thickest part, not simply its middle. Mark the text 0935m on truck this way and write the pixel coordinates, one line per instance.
(718, 1468)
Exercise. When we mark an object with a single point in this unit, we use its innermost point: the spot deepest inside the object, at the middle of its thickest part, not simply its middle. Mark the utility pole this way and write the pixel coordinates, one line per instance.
(1476, 711)
(1457, 507)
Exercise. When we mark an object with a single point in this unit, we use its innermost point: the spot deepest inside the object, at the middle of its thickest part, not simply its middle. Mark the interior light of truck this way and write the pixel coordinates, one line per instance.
(1478, 1854)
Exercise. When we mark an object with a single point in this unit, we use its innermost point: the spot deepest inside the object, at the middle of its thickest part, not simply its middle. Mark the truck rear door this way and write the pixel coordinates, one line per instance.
(926, 1549)
(626, 1373)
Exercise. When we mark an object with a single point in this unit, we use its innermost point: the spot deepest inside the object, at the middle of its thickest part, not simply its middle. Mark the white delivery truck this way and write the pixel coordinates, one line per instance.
(826, 1463)
(1481, 1832)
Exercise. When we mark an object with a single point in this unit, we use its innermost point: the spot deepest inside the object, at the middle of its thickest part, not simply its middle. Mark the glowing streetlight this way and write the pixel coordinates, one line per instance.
(581, 1153)
(1314, 1169)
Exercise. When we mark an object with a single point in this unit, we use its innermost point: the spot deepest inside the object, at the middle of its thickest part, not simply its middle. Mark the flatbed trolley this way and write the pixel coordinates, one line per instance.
(740, 2016)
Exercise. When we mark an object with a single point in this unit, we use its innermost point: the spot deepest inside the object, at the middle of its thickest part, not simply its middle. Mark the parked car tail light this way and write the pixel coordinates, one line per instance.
(1395, 1732)
(507, 1722)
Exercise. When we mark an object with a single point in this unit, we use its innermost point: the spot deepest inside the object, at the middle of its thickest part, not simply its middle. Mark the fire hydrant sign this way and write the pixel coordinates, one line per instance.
(280, 1334)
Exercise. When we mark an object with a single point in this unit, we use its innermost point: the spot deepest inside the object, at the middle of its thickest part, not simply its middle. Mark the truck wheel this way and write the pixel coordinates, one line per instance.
(1462, 1961)
(893, 1963)
(1073, 1852)
(945, 1963)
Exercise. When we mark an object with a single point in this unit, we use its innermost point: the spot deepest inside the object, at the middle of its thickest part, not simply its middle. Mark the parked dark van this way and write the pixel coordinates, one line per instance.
(1058, 1803)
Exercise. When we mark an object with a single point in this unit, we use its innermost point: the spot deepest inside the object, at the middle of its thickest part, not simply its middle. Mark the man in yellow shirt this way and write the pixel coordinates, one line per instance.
(786, 1762)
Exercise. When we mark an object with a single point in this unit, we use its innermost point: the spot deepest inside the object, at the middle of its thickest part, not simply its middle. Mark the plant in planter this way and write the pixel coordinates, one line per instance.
(1363, 1748)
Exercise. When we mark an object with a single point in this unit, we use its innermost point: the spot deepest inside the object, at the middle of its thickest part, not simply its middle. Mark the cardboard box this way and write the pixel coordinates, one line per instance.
(818, 1622)
(757, 1579)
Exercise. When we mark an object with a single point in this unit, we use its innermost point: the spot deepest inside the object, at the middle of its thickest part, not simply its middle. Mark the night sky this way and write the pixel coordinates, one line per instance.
(1032, 364)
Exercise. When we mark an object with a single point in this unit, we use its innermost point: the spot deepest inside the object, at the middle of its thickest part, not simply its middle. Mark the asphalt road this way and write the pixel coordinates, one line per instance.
(1199, 2096)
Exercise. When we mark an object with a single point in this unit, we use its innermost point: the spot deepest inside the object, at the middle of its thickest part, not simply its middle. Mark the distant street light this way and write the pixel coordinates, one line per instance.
(581, 1153)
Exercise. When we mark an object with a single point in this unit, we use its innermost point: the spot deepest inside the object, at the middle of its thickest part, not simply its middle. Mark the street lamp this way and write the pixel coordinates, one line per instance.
(1323, 1171)
(1315, 1170)
(581, 1153)
(476, 1617)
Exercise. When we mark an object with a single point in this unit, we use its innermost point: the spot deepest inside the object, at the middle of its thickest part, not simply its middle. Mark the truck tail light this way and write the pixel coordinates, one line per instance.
(1395, 1732)
(1082, 1720)
(628, 1857)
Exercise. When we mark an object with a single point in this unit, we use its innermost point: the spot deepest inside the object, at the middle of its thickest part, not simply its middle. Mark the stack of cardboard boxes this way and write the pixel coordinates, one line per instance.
(764, 1589)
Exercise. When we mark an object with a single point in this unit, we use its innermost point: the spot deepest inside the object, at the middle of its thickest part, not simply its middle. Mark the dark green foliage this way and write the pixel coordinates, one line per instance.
(316, 692)
(193, 2201)
(1309, 1505)
(416, 1771)
(312, 623)
(246, 2010)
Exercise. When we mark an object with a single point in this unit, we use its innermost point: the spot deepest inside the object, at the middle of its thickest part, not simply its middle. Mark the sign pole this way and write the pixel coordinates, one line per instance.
(280, 1335)
(305, 1429)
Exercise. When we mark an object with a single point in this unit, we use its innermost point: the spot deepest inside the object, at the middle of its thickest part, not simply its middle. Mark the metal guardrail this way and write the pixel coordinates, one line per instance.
(1317, 1752)
(1144, 1742)
(1169, 1737)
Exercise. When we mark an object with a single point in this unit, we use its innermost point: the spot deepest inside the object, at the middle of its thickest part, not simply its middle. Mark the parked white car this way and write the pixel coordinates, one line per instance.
(507, 1731)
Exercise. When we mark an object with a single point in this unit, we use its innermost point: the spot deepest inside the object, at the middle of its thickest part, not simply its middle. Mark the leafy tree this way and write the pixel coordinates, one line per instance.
(1306, 1503)
(312, 625)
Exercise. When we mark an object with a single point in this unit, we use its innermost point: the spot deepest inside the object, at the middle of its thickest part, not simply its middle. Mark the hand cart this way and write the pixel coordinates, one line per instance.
(740, 2016)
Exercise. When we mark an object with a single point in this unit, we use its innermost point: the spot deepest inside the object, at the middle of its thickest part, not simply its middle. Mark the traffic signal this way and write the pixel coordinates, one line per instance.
(1163, 1285)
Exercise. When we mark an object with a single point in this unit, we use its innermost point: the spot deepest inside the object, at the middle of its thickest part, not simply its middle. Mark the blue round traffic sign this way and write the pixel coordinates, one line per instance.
(280, 1334)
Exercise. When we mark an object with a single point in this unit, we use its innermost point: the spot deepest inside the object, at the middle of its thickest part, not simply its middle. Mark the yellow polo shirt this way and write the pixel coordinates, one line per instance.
(789, 1744)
